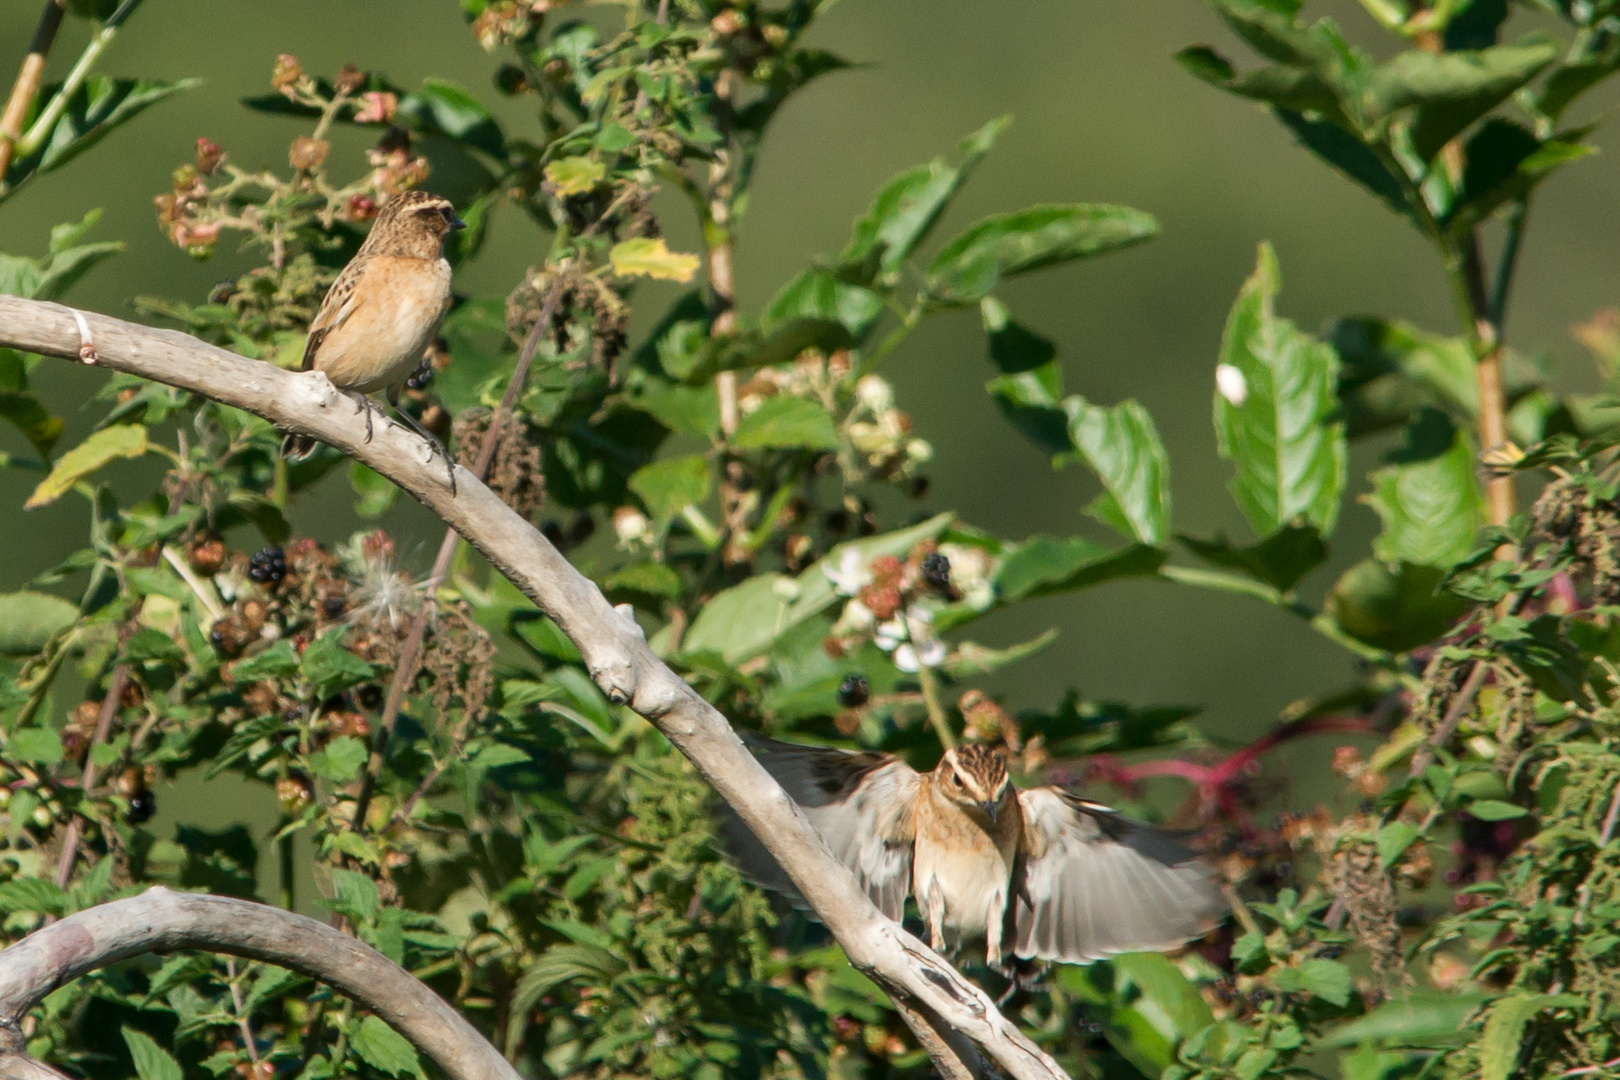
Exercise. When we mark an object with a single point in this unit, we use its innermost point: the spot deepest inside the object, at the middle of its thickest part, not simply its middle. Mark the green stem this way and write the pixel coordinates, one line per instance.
(908, 323)
(929, 681)
(1321, 623)
(46, 122)
(1507, 263)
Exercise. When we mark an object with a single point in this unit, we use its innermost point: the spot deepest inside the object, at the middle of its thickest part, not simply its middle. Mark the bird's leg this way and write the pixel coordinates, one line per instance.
(992, 931)
(362, 403)
(434, 445)
(934, 903)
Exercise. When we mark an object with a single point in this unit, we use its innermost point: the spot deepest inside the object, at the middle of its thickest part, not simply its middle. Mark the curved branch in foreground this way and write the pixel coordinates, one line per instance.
(614, 648)
(162, 921)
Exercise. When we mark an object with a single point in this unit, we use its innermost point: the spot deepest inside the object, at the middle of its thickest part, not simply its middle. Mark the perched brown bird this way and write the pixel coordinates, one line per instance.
(384, 309)
(1057, 877)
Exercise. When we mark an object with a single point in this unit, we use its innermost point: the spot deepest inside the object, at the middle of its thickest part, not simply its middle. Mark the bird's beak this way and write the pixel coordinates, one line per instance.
(991, 809)
(456, 224)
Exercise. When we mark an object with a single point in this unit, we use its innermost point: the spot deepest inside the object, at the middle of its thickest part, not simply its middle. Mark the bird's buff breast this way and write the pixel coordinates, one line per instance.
(382, 342)
(961, 863)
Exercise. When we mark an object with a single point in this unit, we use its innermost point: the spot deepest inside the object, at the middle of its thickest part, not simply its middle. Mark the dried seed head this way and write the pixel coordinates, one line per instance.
(286, 73)
(308, 153)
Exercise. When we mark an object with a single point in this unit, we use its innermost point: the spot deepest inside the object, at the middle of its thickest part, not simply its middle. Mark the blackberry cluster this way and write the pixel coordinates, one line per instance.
(422, 377)
(854, 691)
(936, 572)
(142, 805)
(268, 566)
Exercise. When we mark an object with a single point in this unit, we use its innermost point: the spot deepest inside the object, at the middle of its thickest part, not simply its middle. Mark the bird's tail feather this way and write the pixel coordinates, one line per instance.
(297, 447)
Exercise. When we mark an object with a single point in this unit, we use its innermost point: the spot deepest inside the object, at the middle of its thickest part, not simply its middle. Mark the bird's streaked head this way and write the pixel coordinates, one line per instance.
(412, 223)
(974, 776)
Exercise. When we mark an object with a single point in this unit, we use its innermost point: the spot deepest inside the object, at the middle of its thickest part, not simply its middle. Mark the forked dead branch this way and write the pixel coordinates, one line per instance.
(934, 996)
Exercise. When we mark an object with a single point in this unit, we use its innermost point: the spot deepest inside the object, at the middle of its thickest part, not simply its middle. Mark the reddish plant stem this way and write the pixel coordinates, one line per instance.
(26, 88)
(104, 719)
(1214, 783)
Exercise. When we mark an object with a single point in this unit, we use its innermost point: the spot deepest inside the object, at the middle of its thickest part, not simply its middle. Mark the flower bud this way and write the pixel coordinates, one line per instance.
(349, 79)
(209, 156)
(308, 153)
(379, 108)
(874, 392)
(286, 73)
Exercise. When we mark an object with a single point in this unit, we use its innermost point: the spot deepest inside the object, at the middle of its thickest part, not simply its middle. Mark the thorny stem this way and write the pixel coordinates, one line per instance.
(1485, 334)
(241, 1012)
(410, 654)
(46, 122)
(928, 680)
(104, 719)
(26, 88)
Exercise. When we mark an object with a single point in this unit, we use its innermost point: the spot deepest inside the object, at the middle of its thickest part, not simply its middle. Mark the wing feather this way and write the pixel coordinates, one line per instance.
(1092, 883)
(340, 302)
(861, 803)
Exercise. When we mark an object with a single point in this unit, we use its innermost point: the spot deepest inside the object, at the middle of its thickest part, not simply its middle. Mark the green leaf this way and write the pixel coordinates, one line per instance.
(670, 486)
(1429, 499)
(1504, 1029)
(820, 296)
(277, 662)
(376, 492)
(354, 895)
(907, 207)
(575, 175)
(1347, 153)
(1495, 810)
(1393, 840)
(28, 620)
(152, 1062)
(100, 104)
(1013, 348)
(330, 667)
(38, 895)
(1280, 560)
(383, 1048)
(340, 761)
(107, 445)
(41, 746)
(1008, 244)
(1505, 161)
(1031, 401)
(1411, 1020)
(784, 422)
(1448, 91)
(1591, 59)
(1391, 369)
(1122, 447)
(1044, 565)
(27, 414)
(442, 107)
(1395, 609)
(650, 257)
(1162, 983)
(1283, 85)
(1327, 979)
(147, 645)
(1280, 430)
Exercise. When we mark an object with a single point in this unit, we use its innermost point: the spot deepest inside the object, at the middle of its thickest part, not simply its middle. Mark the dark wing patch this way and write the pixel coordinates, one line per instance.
(338, 305)
(861, 803)
(1091, 883)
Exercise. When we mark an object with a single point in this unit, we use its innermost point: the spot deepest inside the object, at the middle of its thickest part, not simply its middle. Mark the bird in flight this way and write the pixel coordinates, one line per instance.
(384, 309)
(1038, 872)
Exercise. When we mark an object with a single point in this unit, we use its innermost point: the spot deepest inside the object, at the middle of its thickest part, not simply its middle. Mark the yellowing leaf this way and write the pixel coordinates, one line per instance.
(649, 257)
(108, 444)
(575, 175)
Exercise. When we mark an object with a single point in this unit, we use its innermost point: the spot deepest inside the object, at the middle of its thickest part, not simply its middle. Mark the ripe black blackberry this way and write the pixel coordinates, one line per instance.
(422, 377)
(854, 691)
(936, 572)
(268, 566)
(142, 805)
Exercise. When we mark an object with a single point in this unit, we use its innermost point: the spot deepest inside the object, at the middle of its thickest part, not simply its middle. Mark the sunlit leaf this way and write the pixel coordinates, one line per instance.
(647, 256)
(107, 445)
(784, 422)
(1429, 497)
(575, 175)
(1122, 447)
(1282, 433)
(28, 620)
(1008, 244)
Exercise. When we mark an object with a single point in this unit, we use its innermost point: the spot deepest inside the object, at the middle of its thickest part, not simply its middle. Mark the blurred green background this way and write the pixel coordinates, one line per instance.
(1101, 113)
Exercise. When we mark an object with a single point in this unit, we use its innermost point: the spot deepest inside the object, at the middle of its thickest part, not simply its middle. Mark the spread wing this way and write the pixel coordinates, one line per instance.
(341, 300)
(1092, 883)
(861, 803)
